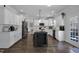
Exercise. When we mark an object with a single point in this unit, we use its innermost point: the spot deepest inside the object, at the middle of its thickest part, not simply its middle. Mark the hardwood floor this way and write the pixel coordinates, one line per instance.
(26, 46)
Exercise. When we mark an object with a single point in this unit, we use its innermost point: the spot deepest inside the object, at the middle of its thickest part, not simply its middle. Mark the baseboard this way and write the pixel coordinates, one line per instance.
(71, 44)
(11, 45)
(2, 50)
(15, 43)
(19, 41)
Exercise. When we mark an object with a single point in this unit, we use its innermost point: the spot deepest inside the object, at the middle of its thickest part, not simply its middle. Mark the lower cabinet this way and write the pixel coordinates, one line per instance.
(4, 39)
(59, 35)
(7, 39)
(14, 37)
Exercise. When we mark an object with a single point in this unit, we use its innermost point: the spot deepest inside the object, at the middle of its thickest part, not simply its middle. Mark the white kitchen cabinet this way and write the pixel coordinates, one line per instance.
(11, 40)
(17, 36)
(9, 17)
(4, 39)
(1, 15)
(21, 18)
(14, 37)
(61, 35)
(17, 18)
(7, 39)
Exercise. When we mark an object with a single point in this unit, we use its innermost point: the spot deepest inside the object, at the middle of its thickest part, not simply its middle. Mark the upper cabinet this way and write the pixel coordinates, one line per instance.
(18, 19)
(9, 15)
(11, 26)
(1, 15)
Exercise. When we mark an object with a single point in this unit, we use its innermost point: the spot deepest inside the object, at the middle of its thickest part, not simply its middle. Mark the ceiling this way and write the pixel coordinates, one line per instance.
(33, 10)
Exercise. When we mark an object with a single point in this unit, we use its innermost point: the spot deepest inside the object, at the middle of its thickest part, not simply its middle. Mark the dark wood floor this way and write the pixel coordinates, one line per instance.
(26, 46)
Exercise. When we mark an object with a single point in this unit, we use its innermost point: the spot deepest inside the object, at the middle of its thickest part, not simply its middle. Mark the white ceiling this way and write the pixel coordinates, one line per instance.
(33, 10)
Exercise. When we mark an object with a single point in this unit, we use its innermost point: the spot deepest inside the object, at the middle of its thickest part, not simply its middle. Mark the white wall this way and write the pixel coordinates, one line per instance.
(71, 11)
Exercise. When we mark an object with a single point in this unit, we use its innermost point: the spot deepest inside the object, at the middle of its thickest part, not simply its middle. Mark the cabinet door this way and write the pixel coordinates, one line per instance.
(7, 17)
(17, 19)
(1, 15)
(12, 21)
(12, 38)
(21, 19)
(15, 36)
